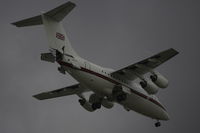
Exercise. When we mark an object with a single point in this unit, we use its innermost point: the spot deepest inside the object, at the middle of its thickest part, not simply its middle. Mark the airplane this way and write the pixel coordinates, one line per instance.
(134, 87)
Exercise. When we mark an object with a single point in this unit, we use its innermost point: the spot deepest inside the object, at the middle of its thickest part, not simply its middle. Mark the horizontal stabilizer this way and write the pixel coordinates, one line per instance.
(56, 14)
(37, 20)
(48, 57)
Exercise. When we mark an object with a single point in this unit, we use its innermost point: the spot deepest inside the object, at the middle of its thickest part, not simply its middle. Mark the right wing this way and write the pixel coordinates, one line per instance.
(131, 72)
(70, 90)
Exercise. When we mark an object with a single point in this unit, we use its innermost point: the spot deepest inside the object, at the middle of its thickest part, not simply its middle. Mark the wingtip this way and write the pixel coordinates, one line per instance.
(175, 51)
(71, 3)
(14, 24)
(37, 97)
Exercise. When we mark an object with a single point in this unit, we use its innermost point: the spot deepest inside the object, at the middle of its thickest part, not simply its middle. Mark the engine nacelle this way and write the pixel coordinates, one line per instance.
(159, 80)
(94, 98)
(86, 105)
(107, 104)
(149, 86)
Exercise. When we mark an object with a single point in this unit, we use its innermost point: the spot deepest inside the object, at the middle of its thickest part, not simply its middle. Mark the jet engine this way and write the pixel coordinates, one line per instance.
(86, 105)
(95, 101)
(107, 104)
(149, 86)
(159, 80)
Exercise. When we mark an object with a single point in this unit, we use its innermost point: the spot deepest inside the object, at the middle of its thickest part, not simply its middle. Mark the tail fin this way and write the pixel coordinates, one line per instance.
(57, 14)
(52, 22)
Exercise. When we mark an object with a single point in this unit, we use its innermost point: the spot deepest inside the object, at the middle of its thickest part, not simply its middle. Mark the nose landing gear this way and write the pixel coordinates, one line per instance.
(157, 124)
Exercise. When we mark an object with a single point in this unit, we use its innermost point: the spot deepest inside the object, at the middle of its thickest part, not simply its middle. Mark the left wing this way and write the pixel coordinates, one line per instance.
(140, 68)
(70, 90)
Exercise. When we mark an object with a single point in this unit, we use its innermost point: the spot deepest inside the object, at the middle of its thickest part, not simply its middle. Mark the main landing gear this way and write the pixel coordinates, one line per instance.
(157, 124)
(82, 101)
(121, 97)
(89, 106)
(96, 105)
(118, 94)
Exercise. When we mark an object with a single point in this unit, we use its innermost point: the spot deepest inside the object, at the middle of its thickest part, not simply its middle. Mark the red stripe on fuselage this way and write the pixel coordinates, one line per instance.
(113, 81)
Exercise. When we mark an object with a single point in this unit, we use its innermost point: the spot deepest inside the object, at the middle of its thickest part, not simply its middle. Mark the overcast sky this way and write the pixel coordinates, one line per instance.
(111, 33)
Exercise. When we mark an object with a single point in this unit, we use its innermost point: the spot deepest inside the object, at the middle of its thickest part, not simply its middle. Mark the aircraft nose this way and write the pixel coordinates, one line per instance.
(165, 116)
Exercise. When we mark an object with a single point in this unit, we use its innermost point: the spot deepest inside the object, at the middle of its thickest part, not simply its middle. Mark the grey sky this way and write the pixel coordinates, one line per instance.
(111, 33)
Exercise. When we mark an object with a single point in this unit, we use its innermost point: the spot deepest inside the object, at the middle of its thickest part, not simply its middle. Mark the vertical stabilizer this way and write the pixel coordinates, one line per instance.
(57, 36)
(52, 22)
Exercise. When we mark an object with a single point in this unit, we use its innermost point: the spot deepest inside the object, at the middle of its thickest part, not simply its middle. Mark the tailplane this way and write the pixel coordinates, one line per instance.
(52, 22)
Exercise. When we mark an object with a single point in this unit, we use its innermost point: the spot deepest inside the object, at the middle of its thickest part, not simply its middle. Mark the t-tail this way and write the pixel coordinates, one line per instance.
(52, 21)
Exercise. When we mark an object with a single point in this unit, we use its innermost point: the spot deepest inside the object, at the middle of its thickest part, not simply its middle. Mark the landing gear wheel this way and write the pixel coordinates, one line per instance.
(82, 101)
(96, 106)
(121, 97)
(157, 124)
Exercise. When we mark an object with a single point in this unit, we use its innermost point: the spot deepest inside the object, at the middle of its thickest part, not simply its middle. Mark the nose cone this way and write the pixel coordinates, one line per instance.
(164, 116)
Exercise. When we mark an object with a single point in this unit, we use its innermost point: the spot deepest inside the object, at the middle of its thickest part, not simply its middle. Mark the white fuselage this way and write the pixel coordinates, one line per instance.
(100, 81)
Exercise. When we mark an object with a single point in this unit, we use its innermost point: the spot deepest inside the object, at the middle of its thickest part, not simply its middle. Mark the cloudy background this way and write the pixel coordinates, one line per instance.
(112, 33)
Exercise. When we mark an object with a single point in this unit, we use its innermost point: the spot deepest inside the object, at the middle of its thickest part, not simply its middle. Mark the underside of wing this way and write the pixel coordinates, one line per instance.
(70, 90)
(131, 72)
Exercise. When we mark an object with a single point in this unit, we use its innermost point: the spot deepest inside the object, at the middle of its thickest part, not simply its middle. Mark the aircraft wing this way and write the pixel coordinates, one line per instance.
(70, 90)
(140, 68)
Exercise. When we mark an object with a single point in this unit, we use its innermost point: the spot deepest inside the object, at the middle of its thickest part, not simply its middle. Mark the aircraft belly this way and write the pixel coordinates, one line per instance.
(133, 102)
(93, 82)
(145, 107)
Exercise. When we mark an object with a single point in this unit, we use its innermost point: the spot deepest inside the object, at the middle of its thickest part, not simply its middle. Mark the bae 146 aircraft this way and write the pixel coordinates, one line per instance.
(133, 87)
